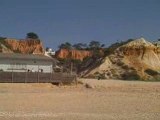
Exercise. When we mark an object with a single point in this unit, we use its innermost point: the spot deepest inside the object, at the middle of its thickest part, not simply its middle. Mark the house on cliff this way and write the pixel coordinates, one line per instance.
(11, 62)
(49, 52)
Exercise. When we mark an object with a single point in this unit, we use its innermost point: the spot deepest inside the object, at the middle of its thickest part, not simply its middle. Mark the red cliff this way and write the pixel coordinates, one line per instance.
(73, 54)
(28, 46)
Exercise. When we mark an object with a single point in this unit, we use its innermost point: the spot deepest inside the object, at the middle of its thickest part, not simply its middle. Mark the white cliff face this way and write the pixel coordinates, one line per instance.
(138, 43)
(131, 59)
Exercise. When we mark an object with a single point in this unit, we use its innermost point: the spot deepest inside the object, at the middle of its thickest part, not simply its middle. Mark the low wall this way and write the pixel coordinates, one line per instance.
(36, 77)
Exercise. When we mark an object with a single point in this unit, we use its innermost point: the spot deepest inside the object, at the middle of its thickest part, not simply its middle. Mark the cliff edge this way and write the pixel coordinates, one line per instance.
(73, 54)
(27, 46)
(138, 59)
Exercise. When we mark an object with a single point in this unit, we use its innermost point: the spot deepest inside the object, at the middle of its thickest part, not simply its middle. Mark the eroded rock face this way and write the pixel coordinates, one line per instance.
(130, 61)
(143, 52)
(73, 54)
(28, 46)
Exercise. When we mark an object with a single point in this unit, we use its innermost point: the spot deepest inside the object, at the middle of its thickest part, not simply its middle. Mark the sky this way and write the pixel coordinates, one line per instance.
(75, 21)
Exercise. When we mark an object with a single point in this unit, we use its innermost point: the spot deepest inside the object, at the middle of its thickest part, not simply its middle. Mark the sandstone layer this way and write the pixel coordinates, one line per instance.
(73, 54)
(138, 59)
(28, 46)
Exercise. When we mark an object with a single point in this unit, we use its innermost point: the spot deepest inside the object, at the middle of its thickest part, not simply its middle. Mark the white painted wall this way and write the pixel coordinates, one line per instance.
(24, 65)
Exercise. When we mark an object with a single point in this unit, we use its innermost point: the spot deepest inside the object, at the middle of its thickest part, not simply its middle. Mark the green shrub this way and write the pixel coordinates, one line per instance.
(151, 72)
(125, 67)
(120, 63)
(2, 40)
(100, 75)
(131, 76)
(114, 46)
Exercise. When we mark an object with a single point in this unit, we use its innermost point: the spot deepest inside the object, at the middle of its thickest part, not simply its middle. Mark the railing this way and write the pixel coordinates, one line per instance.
(36, 77)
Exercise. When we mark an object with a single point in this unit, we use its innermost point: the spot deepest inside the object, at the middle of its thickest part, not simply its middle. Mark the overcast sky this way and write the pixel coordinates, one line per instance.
(58, 21)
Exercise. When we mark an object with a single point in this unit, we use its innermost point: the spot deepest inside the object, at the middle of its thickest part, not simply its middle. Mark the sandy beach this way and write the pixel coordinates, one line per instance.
(103, 100)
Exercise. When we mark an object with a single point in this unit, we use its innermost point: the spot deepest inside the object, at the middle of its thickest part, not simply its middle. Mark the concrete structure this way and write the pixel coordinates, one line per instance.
(12, 62)
(49, 52)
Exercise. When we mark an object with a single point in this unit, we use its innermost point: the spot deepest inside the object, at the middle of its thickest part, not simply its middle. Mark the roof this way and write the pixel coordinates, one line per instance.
(16, 56)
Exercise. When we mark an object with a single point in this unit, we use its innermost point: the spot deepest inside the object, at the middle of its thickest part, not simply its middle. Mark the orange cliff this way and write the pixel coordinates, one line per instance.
(73, 54)
(28, 46)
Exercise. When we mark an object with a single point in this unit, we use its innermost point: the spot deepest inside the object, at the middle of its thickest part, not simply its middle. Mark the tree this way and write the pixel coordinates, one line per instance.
(80, 46)
(114, 46)
(96, 48)
(32, 35)
(103, 45)
(66, 45)
(2, 40)
(94, 44)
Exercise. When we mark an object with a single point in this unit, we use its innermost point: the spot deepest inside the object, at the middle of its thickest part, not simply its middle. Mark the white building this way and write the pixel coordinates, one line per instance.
(49, 52)
(26, 63)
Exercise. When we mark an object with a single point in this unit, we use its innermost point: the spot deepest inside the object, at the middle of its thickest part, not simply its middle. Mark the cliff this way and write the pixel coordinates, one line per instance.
(28, 46)
(141, 51)
(138, 59)
(73, 54)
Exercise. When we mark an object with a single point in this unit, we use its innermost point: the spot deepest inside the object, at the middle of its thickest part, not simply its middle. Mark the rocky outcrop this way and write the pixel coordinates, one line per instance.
(28, 46)
(141, 51)
(73, 54)
(4, 49)
(138, 59)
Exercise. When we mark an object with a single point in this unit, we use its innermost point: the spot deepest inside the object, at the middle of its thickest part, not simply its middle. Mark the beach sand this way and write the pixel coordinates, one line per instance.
(102, 100)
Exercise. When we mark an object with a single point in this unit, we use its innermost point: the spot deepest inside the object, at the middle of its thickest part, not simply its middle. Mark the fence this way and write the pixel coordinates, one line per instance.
(36, 77)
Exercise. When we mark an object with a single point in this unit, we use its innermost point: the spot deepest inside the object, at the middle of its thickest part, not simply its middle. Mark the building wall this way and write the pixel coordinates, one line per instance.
(26, 65)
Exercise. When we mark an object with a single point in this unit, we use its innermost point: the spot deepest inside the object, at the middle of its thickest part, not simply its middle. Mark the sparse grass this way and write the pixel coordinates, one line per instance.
(120, 63)
(131, 76)
(125, 67)
(151, 72)
(80, 82)
(2, 40)
(113, 71)
(154, 79)
(100, 75)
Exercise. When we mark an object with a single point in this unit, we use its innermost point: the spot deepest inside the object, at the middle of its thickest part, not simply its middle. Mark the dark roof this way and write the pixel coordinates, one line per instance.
(25, 56)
